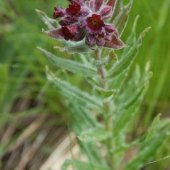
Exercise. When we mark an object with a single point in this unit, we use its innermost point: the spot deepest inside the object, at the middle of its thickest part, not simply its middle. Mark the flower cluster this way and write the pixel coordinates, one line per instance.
(84, 19)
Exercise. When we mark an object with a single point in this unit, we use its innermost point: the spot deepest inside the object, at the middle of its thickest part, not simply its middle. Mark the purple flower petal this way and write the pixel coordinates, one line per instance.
(112, 3)
(68, 20)
(100, 42)
(76, 1)
(58, 12)
(73, 9)
(71, 32)
(106, 11)
(110, 29)
(91, 4)
(98, 4)
(90, 40)
(56, 33)
(79, 35)
(94, 24)
(115, 43)
(84, 11)
(85, 19)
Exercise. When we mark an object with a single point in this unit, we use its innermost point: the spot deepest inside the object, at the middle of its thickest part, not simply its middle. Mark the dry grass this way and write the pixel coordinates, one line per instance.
(39, 143)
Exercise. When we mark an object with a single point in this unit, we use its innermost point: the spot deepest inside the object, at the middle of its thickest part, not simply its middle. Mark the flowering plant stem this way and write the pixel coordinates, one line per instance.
(116, 98)
(106, 104)
(101, 69)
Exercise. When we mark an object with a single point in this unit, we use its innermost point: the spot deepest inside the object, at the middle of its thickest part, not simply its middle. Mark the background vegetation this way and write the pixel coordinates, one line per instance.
(25, 97)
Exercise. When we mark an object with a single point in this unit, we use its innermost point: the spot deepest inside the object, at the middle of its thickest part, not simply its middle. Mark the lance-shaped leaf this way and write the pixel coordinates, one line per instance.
(94, 135)
(115, 43)
(73, 47)
(149, 147)
(129, 101)
(154, 128)
(70, 65)
(81, 119)
(119, 71)
(129, 57)
(51, 23)
(72, 92)
(127, 114)
(121, 17)
(105, 93)
(118, 5)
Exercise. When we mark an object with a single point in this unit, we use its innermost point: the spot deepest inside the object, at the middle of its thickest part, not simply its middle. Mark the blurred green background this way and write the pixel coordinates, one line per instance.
(24, 89)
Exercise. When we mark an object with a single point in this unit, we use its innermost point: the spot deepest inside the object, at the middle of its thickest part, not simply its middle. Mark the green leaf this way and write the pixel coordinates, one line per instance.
(117, 9)
(51, 23)
(154, 128)
(120, 69)
(74, 47)
(82, 119)
(105, 93)
(70, 65)
(147, 150)
(129, 57)
(122, 15)
(117, 81)
(126, 115)
(129, 100)
(94, 135)
(73, 93)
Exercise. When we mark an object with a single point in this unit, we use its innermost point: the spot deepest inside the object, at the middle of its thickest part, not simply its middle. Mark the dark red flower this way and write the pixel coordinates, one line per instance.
(95, 23)
(85, 19)
(58, 12)
(68, 32)
(73, 9)
(71, 32)
(68, 21)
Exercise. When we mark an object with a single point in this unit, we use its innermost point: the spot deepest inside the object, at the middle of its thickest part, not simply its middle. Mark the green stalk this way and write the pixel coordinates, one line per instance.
(101, 69)
(106, 105)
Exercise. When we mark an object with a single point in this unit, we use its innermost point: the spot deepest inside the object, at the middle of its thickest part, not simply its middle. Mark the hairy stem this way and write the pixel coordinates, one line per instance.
(101, 70)
(106, 105)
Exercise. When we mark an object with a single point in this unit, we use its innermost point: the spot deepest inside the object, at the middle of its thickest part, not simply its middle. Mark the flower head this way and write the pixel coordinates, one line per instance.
(68, 32)
(73, 9)
(85, 19)
(94, 23)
